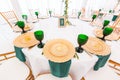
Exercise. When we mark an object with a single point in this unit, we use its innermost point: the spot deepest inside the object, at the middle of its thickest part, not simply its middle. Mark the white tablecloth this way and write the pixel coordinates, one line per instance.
(79, 67)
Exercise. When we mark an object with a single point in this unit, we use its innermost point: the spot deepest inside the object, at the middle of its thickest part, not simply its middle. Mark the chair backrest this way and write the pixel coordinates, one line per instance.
(10, 17)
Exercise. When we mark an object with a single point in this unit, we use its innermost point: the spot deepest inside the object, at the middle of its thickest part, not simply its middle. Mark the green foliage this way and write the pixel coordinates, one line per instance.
(20, 24)
(39, 35)
(66, 9)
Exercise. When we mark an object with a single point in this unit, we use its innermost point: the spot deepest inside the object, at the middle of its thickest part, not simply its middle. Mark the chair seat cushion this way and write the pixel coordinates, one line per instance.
(105, 73)
(13, 69)
(51, 77)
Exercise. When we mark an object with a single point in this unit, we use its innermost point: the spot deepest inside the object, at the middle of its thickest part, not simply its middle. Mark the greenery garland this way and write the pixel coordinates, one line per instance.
(66, 13)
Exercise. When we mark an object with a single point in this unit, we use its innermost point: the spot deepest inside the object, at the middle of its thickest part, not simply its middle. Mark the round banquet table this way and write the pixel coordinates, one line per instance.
(79, 67)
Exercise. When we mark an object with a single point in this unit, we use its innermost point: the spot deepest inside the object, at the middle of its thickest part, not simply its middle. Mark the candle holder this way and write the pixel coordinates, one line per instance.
(39, 35)
(82, 39)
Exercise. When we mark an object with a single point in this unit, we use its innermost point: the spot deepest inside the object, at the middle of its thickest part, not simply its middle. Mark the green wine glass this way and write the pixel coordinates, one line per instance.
(25, 17)
(79, 13)
(50, 13)
(107, 31)
(94, 17)
(37, 13)
(82, 39)
(39, 35)
(110, 11)
(105, 23)
(21, 25)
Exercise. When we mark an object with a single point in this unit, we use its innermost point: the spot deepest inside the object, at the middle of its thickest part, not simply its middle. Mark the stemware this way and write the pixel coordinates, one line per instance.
(37, 13)
(93, 17)
(50, 13)
(107, 31)
(21, 25)
(105, 23)
(82, 39)
(79, 13)
(25, 17)
(39, 35)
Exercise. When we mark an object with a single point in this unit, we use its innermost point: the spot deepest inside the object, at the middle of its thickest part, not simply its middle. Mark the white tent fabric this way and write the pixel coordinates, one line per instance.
(57, 6)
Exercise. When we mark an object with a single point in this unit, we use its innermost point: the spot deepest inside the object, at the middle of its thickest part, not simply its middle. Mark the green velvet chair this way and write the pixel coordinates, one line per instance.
(114, 17)
(19, 54)
(60, 69)
(101, 61)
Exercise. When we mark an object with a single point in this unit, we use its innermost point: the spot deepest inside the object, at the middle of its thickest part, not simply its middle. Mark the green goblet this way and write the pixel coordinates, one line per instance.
(110, 11)
(105, 23)
(100, 10)
(50, 13)
(37, 13)
(39, 35)
(21, 25)
(107, 31)
(82, 39)
(94, 17)
(25, 17)
(79, 13)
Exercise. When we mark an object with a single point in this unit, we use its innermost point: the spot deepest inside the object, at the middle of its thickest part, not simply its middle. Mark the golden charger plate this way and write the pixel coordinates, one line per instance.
(112, 36)
(98, 32)
(25, 40)
(59, 50)
(96, 46)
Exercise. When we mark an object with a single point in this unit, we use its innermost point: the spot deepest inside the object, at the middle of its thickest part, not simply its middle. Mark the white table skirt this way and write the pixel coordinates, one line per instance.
(78, 69)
